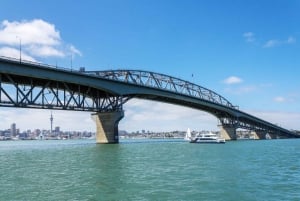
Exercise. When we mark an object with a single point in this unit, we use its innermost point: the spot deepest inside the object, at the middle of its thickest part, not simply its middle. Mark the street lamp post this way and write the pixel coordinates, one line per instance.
(71, 62)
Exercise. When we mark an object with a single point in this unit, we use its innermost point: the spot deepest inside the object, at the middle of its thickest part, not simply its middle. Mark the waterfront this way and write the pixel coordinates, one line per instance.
(150, 170)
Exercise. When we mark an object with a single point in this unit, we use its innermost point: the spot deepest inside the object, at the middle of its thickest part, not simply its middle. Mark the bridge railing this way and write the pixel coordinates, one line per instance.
(34, 63)
(163, 82)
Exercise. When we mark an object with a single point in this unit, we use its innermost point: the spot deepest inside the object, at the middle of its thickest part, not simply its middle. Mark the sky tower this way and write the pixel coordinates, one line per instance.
(51, 122)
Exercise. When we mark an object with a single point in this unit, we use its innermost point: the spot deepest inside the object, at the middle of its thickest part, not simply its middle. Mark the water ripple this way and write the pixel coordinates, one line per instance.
(150, 170)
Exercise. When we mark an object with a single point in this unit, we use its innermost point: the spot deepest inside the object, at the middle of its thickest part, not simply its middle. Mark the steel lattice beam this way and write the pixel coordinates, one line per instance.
(163, 82)
(18, 91)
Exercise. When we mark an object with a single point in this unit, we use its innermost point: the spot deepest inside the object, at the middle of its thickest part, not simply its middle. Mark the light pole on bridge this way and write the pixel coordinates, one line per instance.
(20, 48)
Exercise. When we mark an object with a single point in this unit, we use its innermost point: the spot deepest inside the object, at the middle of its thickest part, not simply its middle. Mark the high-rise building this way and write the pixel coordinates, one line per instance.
(51, 122)
(13, 129)
(57, 129)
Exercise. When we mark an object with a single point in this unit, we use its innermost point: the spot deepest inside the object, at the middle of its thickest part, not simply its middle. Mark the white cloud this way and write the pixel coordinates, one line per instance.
(234, 86)
(246, 89)
(240, 89)
(271, 43)
(36, 32)
(139, 114)
(233, 80)
(290, 98)
(40, 119)
(275, 42)
(156, 116)
(45, 51)
(249, 36)
(15, 53)
(291, 40)
(36, 38)
(288, 120)
(280, 99)
(75, 51)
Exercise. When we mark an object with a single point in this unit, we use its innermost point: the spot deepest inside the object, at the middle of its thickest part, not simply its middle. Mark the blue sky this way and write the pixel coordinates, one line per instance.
(247, 51)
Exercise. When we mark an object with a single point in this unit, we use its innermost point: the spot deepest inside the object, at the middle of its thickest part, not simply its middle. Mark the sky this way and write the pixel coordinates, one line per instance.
(246, 51)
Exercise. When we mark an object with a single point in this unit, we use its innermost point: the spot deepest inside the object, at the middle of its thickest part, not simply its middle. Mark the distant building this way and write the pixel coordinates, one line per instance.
(57, 130)
(37, 131)
(51, 123)
(13, 130)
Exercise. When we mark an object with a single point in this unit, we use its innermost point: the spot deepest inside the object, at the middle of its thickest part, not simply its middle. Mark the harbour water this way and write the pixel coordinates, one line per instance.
(150, 170)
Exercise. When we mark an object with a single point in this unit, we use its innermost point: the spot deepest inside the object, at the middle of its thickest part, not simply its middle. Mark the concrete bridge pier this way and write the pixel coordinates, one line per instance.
(262, 135)
(228, 132)
(259, 135)
(276, 135)
(107, 126)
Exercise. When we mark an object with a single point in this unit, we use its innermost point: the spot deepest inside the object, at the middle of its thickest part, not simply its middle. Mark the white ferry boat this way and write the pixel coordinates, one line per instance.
(204, 138)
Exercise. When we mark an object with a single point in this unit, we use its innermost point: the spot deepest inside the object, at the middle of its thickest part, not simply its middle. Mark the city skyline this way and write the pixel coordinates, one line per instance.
(245, 51)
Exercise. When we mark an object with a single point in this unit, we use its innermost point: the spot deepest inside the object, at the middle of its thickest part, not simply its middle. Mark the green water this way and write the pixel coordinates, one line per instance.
(150, 170)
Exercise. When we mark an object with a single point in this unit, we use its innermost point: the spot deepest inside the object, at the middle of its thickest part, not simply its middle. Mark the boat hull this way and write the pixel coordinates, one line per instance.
(217, 141)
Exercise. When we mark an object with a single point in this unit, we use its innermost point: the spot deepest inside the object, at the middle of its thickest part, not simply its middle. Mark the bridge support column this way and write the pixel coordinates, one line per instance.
(262, 135)
(107, 126)
(228, 132)
(273, 135)
(259, 135)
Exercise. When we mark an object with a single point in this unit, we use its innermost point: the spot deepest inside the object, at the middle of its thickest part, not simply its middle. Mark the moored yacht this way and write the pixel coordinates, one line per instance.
(206, 138)
(188, 135)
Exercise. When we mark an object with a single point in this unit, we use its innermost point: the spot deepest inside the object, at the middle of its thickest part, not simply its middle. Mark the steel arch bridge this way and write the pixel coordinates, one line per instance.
(34, 85)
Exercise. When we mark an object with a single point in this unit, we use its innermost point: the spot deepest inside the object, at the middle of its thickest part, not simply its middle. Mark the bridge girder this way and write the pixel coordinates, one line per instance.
(28, 92)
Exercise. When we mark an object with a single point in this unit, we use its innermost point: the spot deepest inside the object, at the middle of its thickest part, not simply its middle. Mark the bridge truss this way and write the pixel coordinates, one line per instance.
(163, 82)
(28, 92)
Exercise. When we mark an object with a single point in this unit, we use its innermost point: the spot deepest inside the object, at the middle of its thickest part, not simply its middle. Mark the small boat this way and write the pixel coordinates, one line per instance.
(188, 135)
(206, 138)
